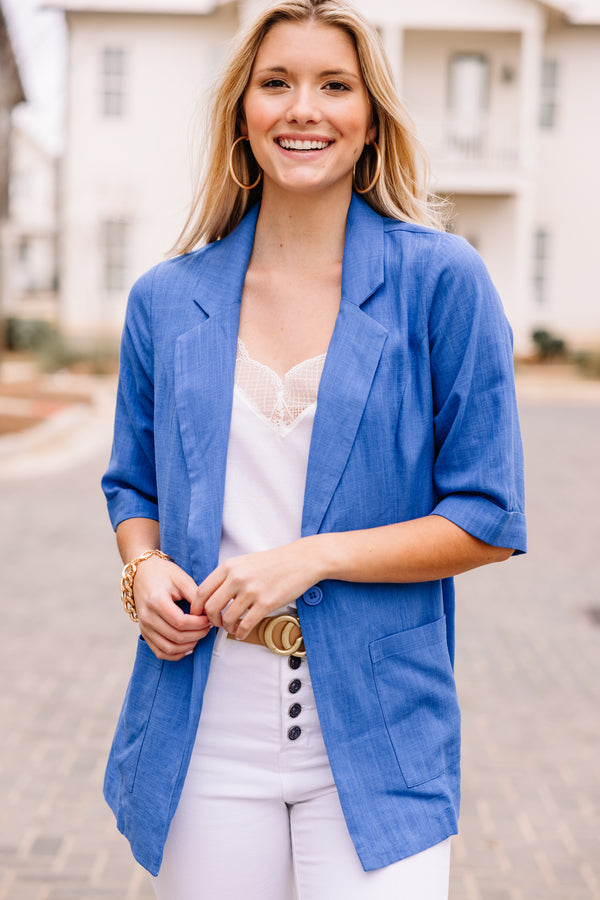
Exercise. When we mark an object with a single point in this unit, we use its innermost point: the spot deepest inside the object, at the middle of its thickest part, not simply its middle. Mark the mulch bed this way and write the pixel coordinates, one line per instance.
(14, 424)
(39, 404)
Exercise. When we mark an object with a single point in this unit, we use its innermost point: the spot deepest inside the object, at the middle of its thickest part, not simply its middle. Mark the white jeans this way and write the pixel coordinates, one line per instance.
(259, 817)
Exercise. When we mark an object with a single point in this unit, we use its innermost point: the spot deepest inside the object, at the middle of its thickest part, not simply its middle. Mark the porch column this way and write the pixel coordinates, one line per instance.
(532, 48)
(393, 42)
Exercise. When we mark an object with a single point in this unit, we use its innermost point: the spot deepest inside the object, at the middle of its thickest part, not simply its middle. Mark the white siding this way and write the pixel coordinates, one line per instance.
(31, 231)
(568, 188)
(135, 168)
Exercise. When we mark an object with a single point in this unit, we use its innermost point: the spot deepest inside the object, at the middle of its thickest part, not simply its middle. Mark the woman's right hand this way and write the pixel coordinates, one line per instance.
(169, 632)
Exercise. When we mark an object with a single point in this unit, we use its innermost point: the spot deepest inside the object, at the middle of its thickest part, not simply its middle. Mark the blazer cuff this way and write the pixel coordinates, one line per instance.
(130, 505)
(485, 520)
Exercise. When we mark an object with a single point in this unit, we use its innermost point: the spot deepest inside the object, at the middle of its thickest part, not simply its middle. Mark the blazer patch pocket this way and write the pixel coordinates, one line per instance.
(417, 694)
(138, 703)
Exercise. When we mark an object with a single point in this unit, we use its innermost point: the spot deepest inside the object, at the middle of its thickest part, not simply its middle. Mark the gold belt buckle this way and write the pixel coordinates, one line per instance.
(288, 647)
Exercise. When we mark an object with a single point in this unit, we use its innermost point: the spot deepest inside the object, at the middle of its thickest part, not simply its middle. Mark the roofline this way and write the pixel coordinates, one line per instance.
(19, 93)
(569, 9)
(127, 7)
(25, 132)
(566, 8)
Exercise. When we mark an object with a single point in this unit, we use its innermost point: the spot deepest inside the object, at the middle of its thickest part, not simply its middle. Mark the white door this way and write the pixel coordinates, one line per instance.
(468, 102)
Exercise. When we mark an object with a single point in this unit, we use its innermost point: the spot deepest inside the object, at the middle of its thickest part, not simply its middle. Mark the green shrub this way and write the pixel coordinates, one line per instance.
(54, 352)
(588, 361)
(27, 334)
(549, 346)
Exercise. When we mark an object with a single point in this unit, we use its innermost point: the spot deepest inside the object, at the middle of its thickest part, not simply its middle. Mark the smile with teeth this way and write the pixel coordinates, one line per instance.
(302, 145)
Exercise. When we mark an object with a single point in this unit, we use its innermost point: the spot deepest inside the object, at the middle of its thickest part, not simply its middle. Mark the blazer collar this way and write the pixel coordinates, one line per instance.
(362, 269)
(223, 266)
(205, 364)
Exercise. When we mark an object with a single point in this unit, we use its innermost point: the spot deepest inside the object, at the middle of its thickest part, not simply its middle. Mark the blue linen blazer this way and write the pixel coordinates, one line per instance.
(416, 415)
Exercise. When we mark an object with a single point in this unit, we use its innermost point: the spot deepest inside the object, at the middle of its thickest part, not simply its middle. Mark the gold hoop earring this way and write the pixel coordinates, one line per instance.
(375, 178)
(245, 187)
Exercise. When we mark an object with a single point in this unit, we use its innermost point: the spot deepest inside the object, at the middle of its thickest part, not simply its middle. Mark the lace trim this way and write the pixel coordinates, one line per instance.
(280, 402)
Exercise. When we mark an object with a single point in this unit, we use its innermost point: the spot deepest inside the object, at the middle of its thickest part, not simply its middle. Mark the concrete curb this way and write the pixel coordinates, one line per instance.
(550, 388)
(72, 435)
(83, 430)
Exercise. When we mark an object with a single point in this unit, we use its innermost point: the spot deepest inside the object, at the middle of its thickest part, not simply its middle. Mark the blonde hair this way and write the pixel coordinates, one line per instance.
(400, 192)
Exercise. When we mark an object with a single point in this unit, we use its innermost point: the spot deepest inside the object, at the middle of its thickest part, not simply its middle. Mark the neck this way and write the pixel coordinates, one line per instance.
(304, 231)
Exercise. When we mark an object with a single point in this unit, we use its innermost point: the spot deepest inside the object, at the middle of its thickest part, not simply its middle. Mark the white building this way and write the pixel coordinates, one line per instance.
(31, 273)
(11, 94)
(137, 74)
(502, 93)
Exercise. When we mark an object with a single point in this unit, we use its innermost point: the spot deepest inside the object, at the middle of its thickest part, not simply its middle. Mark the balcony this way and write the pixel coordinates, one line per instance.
(471, 153)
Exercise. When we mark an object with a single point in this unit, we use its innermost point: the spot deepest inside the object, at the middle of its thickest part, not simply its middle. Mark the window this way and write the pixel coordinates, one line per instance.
(548, 104)
(468, 89)
(114, 251)
(540, 271)
(24, 250)
(113, 82)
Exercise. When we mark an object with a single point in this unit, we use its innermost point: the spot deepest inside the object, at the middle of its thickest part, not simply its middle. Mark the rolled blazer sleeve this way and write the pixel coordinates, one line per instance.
(130, 480)
(478, 472)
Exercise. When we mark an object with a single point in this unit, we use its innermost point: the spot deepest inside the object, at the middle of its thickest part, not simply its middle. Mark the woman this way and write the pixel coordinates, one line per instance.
(368, 452)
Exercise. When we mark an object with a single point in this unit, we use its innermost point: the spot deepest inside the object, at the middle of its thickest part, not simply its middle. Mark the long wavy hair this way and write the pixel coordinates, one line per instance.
(401, 191)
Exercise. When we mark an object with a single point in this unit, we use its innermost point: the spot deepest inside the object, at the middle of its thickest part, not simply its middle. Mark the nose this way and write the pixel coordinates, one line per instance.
(303, 107)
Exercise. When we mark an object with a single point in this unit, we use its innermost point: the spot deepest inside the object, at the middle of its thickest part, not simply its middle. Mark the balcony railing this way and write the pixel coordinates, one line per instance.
(482, 141)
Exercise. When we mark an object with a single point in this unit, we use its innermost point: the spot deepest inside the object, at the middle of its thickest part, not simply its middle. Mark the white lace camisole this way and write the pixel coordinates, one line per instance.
(267, 454)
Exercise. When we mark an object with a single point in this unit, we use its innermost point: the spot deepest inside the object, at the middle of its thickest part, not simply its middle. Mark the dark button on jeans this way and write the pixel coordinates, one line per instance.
(294, 686)
(295, 710)
(294, 733)
(295, 662)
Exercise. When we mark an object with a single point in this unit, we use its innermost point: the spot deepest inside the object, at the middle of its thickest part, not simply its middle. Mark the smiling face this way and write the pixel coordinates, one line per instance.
(307, 112)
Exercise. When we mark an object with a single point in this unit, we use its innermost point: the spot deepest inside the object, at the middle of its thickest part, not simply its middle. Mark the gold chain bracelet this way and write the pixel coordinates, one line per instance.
(127, 580)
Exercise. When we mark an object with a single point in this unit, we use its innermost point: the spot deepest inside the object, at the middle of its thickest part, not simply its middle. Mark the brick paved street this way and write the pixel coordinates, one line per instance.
(528, 666)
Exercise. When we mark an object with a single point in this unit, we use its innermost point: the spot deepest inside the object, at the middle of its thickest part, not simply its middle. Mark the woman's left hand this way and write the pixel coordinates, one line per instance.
(254, 585)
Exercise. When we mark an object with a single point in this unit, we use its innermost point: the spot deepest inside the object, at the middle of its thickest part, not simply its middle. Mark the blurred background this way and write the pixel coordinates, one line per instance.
(101, 117)
(101, 128)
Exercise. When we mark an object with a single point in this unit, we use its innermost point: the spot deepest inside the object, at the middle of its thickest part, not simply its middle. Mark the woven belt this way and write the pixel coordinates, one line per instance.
(281, 634)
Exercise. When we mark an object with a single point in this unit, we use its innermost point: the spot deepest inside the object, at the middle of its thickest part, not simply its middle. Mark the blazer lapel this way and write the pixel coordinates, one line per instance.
(350, 366)
(204, 376)
(205, 366)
